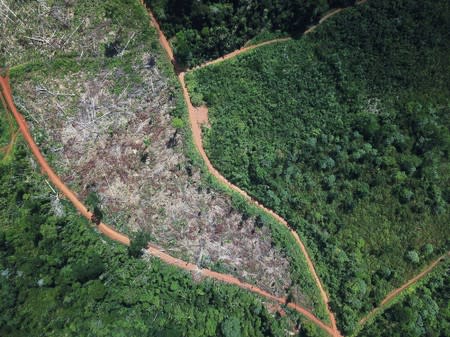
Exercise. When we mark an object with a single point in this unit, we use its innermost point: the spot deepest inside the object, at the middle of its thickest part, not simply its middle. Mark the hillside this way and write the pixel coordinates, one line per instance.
(105, 109)
(345, 133)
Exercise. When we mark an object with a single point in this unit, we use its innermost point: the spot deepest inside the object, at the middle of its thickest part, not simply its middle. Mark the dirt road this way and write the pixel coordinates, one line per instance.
(46, 169)
(8, 148)
(197, 118)
(240, 51)
(394, 293)
(245, 49)
(234, 281)
(7, 100)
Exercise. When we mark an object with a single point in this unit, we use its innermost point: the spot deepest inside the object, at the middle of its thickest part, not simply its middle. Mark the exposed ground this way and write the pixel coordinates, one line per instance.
(9, 105)
(109, 131)
(124, 148)
(36, 29)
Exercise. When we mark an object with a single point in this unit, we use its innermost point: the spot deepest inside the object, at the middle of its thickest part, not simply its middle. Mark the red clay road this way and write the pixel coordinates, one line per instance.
(234, 281)
(240, 51)
(6, 94)
(46, 169)
(245, 49)
(196, 119)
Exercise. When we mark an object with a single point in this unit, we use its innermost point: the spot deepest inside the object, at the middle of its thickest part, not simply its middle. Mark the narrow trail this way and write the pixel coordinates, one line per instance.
(258, 45)
(396, 292)
(197, 118)
(8, 148)
(240, 51)
(7, 100)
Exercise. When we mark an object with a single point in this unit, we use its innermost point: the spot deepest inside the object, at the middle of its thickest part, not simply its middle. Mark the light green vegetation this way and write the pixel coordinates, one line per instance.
(422, 311)
(77, 283)
(345, 133)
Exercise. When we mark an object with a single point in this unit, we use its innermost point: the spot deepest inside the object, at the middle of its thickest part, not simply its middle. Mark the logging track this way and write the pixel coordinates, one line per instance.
(8, 101)
(198, 116)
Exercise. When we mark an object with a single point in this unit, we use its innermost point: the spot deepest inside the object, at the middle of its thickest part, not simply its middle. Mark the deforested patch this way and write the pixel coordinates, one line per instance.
(107, 134)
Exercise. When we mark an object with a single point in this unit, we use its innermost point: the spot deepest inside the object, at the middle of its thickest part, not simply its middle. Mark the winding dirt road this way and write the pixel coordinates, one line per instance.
(245, 49)
(240, 51)
(8, 102)
(196, 134)
(196, 118)
(234, 281)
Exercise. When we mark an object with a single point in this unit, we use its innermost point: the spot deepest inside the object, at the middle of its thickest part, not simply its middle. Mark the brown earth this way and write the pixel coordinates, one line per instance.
(124, 148)
(114, 235)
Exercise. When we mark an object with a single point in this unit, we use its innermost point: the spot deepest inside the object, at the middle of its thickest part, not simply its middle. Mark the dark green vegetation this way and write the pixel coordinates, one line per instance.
(124, 69)
(422, 313)
(207, 29)
(345, 133)
(59, 278)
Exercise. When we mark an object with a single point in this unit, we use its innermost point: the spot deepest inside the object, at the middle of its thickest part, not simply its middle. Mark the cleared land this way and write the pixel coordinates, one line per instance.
(339, 133)
(124, 149)
(112, 128)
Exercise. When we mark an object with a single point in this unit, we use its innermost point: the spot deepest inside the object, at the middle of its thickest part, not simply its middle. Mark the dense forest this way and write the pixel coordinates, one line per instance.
(206, 29)
(424, 312)
(58, 277)
(345, 133)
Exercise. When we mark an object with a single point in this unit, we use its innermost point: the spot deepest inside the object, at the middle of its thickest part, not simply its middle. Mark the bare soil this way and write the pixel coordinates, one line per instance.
(8, 103)
(111, 133)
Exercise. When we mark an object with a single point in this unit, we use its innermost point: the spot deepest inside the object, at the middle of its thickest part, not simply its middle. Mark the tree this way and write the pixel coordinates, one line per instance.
(84, 272)
(413, 256)
(428, 249)
(178, 123)
(231, 327)
(138, 243)
(93, 202)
